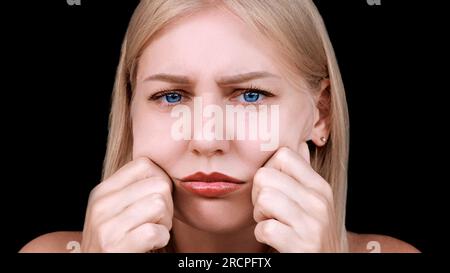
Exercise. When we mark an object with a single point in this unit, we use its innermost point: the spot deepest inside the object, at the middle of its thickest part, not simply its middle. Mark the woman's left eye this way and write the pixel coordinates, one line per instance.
(252, 96)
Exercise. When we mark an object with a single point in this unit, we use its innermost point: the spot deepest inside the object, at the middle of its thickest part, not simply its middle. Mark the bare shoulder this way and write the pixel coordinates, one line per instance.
(373, 243)
(55, 242)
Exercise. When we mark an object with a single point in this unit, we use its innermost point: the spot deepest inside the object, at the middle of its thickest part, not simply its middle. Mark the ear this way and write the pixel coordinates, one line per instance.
(321, 130)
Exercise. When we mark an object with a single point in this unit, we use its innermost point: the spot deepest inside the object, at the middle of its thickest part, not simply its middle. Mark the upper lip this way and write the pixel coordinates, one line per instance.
(212, 177)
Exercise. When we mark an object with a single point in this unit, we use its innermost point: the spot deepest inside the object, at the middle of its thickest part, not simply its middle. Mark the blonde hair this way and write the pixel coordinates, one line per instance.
(298, 31)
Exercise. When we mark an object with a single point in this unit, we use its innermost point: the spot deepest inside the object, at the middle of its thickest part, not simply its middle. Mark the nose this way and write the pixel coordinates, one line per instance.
(207, 146)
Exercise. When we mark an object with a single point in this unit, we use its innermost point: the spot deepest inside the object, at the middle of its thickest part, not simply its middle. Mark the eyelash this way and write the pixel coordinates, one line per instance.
(252, 88)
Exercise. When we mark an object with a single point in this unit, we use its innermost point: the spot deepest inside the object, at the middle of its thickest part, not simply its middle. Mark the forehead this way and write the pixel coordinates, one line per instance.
(209, 42)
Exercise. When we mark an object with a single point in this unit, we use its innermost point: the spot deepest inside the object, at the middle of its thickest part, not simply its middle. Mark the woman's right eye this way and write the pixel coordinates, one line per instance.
(172, 98)
(168, 98)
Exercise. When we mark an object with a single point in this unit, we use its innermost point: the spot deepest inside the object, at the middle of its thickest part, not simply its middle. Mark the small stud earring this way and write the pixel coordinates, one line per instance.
(323, 139)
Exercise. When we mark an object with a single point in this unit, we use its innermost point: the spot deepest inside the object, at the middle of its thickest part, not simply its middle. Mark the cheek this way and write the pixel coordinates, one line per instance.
(296, 124)
(250, 153)
(152, 137)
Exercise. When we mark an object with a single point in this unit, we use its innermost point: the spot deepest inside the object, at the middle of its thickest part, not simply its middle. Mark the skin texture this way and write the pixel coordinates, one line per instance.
(284, 203)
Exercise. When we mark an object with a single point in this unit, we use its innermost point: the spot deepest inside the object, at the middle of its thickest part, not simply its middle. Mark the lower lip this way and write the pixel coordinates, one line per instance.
(211, 189)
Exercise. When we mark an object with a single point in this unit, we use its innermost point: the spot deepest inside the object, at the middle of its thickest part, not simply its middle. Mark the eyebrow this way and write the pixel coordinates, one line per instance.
(225, 80)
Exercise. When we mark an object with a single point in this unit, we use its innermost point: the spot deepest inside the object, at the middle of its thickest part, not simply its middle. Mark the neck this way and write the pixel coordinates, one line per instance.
(188, 239)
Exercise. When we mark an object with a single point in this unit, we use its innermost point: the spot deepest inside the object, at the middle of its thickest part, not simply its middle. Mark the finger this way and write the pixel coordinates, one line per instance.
(150, 209)
(138, 169)
(294, 165)
(271, 203)
(308, 199)
(144, 238)
(116, 202)
(277, 235)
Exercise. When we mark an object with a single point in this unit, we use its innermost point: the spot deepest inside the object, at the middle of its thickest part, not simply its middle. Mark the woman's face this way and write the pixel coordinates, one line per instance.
(205, 49)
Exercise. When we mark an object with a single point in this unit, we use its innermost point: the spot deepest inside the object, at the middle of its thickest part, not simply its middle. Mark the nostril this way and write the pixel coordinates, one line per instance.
(208, 148)
(207, 153)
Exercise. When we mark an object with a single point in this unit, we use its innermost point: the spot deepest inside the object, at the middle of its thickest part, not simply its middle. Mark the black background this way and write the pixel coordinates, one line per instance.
(58, 97)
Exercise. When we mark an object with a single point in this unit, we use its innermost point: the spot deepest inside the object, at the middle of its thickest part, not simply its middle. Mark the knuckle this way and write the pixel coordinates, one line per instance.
(268, 228)
(143, 162)
(95, 192)
(260, 175)
(283, 152)
(260, 210)
(168, 223)
(165, 236)
(99, 206)
(159, 206)
(319, 202)
(149, 231)
(163, 185)
(155, 236)
(167, 186)
(283, 155)
(264, 197)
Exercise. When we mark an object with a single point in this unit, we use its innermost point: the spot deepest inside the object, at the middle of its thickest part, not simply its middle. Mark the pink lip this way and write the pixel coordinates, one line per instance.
(211, 185)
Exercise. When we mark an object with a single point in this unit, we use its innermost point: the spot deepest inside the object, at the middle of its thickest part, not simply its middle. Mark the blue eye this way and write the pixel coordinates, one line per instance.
(172, 98)
(251, 97)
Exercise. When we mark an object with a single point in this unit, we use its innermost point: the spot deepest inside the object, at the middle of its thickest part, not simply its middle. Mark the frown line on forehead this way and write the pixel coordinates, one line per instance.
(222, 81)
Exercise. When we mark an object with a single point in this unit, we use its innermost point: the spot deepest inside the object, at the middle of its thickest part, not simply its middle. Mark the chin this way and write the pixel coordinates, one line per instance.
(215, 215)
